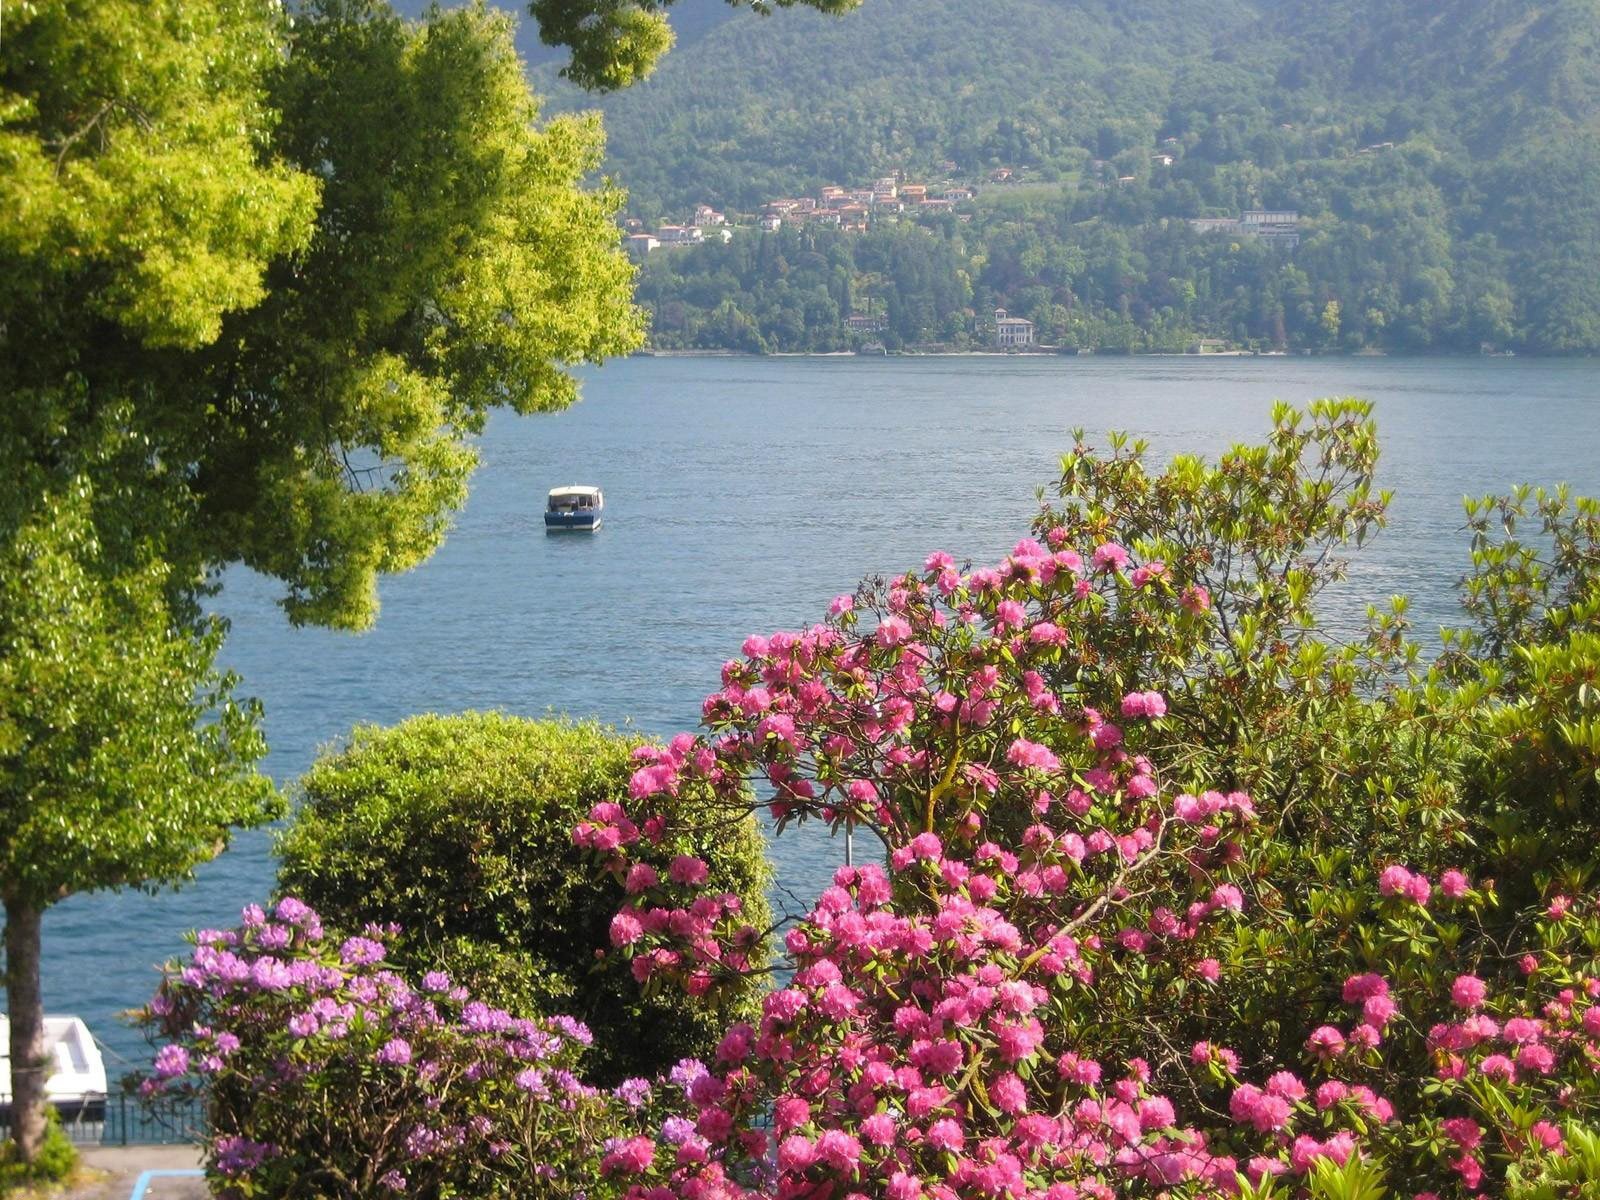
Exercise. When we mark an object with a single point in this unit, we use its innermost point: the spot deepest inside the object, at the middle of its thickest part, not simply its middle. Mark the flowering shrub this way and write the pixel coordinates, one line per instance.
(327, 1074)
(1175, 898)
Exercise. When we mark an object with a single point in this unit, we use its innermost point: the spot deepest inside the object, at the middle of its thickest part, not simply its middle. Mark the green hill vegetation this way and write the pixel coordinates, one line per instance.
(1444, 159)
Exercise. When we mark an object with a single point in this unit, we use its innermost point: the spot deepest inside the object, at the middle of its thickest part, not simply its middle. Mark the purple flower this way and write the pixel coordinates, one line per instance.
(270, 975)
(236, 1155)
(303, 1025)
(293, 911)
(635, 1093)
(436, 981)
(171, 1061)
(358, 951)
(394, 1181)
(396, 1052)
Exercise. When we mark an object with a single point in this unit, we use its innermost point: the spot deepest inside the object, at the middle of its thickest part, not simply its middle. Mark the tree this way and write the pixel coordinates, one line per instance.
(124, 760)
(617, 42)
(260, 282)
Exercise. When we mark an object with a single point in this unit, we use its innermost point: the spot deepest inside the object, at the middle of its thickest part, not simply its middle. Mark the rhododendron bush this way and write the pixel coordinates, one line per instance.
(1171, 893)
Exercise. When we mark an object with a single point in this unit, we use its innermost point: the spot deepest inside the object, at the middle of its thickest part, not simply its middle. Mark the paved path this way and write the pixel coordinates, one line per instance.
(122, 1168)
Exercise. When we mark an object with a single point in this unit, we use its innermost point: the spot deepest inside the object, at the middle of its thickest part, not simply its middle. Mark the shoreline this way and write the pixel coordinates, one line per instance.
(1229, 355)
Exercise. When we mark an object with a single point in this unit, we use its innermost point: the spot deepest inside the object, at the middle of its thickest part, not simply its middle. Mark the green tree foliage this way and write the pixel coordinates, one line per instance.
(616, 42)
(262, 277)
(124, 760)
(308, 394)
(460, 829)
(1443, 158)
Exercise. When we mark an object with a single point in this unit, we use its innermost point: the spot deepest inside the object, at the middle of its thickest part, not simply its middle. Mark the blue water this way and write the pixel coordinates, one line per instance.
(743, 494)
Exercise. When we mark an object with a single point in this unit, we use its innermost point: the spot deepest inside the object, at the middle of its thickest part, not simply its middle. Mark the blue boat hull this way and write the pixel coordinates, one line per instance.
(571, 522)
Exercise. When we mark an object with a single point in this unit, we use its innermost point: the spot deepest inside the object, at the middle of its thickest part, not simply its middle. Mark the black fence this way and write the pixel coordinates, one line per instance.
(125, 1120)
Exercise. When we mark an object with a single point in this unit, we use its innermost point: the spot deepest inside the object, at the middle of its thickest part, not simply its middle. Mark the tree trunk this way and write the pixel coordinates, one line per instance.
(25, 1007)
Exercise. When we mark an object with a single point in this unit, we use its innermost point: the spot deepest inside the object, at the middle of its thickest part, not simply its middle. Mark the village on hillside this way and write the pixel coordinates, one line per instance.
(851, 210)
(892, 198)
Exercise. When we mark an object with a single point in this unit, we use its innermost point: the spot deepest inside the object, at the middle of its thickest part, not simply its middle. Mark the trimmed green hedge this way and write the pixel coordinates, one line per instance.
(459, 829)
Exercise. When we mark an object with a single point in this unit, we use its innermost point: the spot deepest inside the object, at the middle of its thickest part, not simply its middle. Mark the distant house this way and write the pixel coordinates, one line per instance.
(914, 193)
(1277, 228)
(680, 235)
(633, 225)
(866, 323)
(705, 216)
(1001, 175)
(885, 189)
(956, 194)
(640, 244)
(935, 206)
(1011, 331)
(771, 223)
(1162, 160)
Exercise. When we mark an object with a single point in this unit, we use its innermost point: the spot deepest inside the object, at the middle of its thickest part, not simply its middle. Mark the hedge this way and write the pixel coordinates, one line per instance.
(459, 828)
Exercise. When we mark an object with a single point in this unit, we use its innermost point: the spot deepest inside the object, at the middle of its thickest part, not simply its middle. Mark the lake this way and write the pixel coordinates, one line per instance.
(743, 494)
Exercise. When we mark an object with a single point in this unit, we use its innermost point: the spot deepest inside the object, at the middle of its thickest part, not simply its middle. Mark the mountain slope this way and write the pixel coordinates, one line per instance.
(758, 107)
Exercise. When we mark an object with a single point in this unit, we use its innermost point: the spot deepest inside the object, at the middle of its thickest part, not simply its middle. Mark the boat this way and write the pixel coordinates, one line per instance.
(574, 507)
(76, 1085)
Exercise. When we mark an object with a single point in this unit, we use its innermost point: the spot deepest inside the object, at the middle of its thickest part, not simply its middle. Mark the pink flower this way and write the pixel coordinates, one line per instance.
(1497, 1066)
(1419, 889)
(1546, 1135)
(841, 605)
(1359, 987)
(893, 631)
(689, 870)
(1325, 1042)
(1009, 615)
(1394, 881)
(945, 1134)
(1227, 896)
(1536, 1059)
(1008, 1093)
(1468, 991)
(1454, 884)
(1377, 1011)
(795, 1153)
(1287, 1085)
(1026, 754)
(1111, 556)
(625, 929)
(1196, 599)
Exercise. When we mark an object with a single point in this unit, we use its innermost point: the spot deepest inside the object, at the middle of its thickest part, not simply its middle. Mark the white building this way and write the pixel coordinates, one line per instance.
(640, 244)
(1011, 331)
(680, 235)
(705, 216)
(771, 223)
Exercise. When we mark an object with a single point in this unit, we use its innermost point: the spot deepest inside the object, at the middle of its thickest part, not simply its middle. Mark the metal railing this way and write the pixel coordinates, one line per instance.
(125, 1120)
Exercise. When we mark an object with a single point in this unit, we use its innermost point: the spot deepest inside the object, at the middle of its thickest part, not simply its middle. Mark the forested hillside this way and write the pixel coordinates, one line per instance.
(1444, 159)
